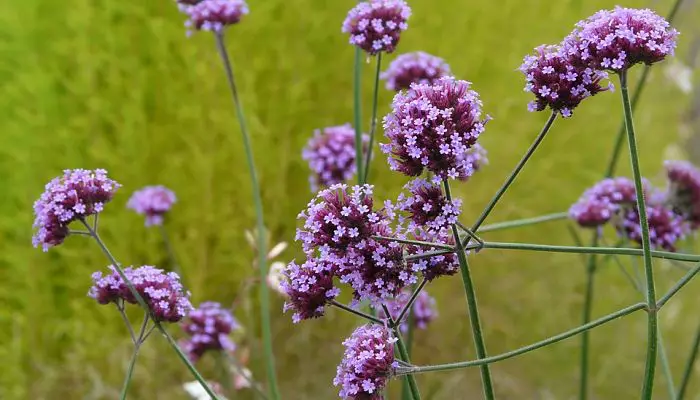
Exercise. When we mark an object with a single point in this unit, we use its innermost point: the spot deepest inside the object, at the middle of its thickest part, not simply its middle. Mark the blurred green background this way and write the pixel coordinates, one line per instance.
(116, 84)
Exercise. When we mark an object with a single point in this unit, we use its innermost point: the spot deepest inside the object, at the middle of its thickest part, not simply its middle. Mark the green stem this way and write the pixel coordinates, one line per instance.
(586, 250)
(523, 222)
(688, 371)
(415, 242)
(678, 286)
(232, 362)
(146, 308)
(170, 250)
(666, 367)
(526, 349)
(406, 389)
(428, 254)
(587, 310)
(357, 84)
(260, 224)
(356, 312)
(132, 363)
(652, 321)
(509, 180)
(406, 309)
(470, 294)
(373, 123)
(412, 385)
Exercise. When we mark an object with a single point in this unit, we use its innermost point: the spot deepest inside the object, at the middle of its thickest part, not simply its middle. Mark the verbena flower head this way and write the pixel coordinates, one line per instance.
(434, 266)
(618, 39)
(478, 157)
(665, 226)
(162, 291)
(601, 202)
(153, 202)
(683, 193)
(309, 288)
(427, 206)
(215, 15)
(422, 312)
(376, 25)
(368, 362)
(417, 67)
(433, 127)
(208, 328)
(556, 82)
(331, 155)
(339, 217)
(75, 195)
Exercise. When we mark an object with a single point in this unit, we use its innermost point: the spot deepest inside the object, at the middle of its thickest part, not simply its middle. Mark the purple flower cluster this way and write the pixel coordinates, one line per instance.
(367, 363)
(665, 226)
(601, 202)
(214, 15)
(618, 39)
(309, 287)
(331, 155)
(423, 310)
(433, 127)
(376, 25)
(434, 266)
(162, 291)
(208, 328)
(556, 82)
(428, 207)
(683, 193)
(417, 67)
(153, 202)
(75, 195)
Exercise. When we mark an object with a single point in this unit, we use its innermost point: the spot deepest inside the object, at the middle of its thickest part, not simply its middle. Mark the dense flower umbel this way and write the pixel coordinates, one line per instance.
(153, 202)
(162, 291)
(683, 193)
(422, 312)
(601, 202)
(427, 206)
(75, 195)
(665, 226)
(376, 25)
(208, 328)
(435, 266)
(331, 155)
(618, 39)
(433, 127)
(417, 67)
(309, 287)
(215, 15)
(556, 82)
(367, 364)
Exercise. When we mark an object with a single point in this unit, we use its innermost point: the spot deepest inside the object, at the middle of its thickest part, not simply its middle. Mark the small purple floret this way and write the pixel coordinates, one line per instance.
(215, 15)
(683, 193)
(367, 364)
(376, 25)
(422, 312)
(665, 227)
(153, 202)
(309, 288)
(417, 67)
(208, 328)
(427, 206)
(331, 155)
(601, 202)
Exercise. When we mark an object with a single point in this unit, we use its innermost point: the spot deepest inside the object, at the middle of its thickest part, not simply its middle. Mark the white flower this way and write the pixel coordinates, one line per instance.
(275, 277)
(197, 391)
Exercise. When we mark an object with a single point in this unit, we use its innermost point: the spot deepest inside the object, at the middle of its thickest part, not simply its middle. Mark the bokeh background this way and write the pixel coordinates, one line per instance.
(117, 85)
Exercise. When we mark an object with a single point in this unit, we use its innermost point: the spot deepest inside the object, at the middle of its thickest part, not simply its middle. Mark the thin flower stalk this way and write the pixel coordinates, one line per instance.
(587, 311)
(373, 122)
(172, 257)
(357, 103)
(688, 370)
(260, 224)
(415, 242)
(359, 313)
(137, 346)
(403, 353)
(524, 222)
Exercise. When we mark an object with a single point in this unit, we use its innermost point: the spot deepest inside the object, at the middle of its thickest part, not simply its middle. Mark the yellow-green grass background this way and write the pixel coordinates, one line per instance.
(117, 85)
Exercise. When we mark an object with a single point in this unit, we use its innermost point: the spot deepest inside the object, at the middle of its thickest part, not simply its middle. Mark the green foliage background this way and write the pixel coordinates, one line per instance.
(116, 84)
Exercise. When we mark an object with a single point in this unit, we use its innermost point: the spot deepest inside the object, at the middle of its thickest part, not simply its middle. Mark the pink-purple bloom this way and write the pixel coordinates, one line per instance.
(162, 291)
(433, 127)
(683, 193)
(617, 39)
(74, 196)
(423, 311)
(153, 202)
(418, 67)
(558, 83)
(601, 202)
(309, 288)
(367, 364)
(427, 206)
(376, 25)
(437, 265)
(665, 226)
(208, 328)
(331, 155)
(215, 15)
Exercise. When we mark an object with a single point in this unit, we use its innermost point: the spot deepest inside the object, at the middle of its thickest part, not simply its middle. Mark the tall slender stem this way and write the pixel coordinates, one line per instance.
(409, 304)
(147, 309)
(479, 344)
(373, 123)
(587, 310)
(509, 180)
(132, 363)
(412, 385)
(406, 389)
(356, 312)
(524, 349)
(170, 250)
(357, 101)
(666, 367)
(523, 222)
(652, 322)
(260, 224)
(688, 371)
